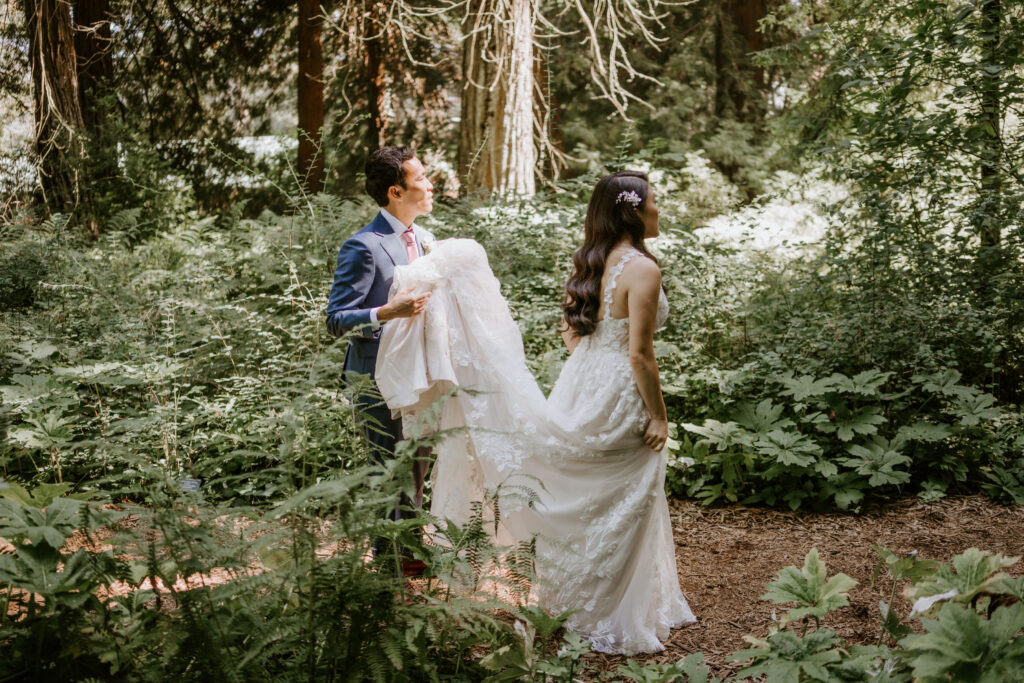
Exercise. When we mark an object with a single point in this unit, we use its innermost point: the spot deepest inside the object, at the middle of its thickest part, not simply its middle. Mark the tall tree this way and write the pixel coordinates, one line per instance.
(311, 96)
(738, 81)
(374, 64)
(58, 111)
(506, 118)
(401, 87)
(990, 117)
(497, 150)
(92, 48)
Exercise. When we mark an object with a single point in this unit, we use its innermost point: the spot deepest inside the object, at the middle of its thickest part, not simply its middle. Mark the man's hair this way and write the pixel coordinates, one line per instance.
(384, 169)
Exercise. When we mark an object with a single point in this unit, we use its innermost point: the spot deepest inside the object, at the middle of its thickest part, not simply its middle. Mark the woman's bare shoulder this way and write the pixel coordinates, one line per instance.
(640, 271)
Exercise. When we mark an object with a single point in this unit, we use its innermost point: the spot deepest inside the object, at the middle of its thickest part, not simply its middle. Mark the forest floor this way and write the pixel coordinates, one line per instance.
(726, 556)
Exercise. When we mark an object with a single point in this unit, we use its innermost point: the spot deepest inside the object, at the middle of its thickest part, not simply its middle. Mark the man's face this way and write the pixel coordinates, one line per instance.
(418, 193)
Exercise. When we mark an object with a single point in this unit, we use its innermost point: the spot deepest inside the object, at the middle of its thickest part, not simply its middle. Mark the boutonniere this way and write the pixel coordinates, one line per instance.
(428, 244)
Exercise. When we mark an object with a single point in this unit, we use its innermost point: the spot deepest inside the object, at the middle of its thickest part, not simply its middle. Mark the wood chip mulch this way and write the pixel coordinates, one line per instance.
(726, 556)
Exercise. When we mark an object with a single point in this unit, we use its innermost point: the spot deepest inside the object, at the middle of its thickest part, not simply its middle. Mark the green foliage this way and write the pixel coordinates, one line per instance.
(962, 646)
(1005, 484)
(690, 669)
(192, 589)
(973, 573)
(21, 269)
(968, 640)
(787, 447)
(784, 656)
(809, 588)
(51, 599)
(914, 112)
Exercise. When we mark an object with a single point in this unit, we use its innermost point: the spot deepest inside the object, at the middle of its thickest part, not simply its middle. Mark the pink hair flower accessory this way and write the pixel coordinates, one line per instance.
(629, 196)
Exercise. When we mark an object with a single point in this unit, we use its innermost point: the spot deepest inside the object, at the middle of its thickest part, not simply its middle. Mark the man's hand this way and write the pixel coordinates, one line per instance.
(405, 305)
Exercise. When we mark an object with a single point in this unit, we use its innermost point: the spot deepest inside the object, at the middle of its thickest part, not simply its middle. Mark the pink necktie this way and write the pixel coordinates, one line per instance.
(410, 245)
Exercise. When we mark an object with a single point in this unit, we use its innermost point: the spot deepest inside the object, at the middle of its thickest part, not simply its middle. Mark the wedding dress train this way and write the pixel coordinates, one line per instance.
(604, 539)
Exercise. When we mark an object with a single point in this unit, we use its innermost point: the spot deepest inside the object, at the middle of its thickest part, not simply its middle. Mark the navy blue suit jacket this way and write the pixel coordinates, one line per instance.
(362, 281)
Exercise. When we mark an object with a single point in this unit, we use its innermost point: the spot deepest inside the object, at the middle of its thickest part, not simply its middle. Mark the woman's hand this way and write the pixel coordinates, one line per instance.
(656, 434)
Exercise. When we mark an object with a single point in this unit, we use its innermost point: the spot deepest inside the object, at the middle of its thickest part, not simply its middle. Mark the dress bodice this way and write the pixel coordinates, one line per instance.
(614, 332)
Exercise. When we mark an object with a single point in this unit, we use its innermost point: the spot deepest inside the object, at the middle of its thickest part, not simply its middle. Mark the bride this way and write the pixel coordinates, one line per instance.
(592, 451)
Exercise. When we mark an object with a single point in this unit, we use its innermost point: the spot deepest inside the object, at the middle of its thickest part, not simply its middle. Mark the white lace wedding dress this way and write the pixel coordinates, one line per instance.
(604, 539)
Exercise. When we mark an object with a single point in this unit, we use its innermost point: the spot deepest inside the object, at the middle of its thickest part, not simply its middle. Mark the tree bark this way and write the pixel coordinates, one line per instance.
(745, 15)
(497, 151)
(373, 65)
(736, 36)
(310, 96)
(92, 46)
(989, 231)
(548, 121)
(58, 112)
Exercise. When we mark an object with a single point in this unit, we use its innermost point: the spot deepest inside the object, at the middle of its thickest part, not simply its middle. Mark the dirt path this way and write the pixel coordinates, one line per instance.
(726, 556)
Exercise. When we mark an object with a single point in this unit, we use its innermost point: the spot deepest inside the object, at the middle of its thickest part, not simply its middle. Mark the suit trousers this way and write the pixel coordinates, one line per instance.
(382, 432)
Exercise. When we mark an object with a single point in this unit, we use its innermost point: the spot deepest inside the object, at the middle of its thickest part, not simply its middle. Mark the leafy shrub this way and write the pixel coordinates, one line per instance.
(21, 269)
(968, 640)
(830, 440)
(193, 590)
(971, 613)
(51, 600)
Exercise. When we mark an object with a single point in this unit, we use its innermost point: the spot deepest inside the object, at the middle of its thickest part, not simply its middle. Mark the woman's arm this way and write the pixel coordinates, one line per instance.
(642, 282)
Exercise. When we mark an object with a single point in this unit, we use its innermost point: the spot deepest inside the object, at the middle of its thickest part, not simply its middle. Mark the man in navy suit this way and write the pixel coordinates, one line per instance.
(397, 181)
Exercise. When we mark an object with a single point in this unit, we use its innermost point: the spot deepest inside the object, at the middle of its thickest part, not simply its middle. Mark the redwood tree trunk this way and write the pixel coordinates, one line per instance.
(745, 15)
(311, 96)
(736, 76)
(373, 65)
(497, 151)
(58, 112)
(92, 46)
(547, 120)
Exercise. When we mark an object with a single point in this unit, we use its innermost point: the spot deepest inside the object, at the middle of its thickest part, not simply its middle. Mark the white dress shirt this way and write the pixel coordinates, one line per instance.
(397, 226)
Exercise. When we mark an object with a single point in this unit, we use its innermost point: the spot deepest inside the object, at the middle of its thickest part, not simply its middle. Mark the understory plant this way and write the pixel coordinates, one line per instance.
(830, 441)
(970, 614)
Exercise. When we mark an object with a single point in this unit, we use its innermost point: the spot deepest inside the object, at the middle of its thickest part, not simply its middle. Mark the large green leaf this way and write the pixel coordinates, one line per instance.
(808, 587)
(939, 383)
(805, 386)
(973, 572)
(724, 435)
(50, 526)
(861, 421)
(925, 431)
(973, 409)
(788, 448)
(786, 657)
(961, 646)
(878, 461)
(866, 383)
(762, 418)
(41, 496)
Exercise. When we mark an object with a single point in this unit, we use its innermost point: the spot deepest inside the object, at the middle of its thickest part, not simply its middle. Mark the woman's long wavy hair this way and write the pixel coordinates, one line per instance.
(607, 223)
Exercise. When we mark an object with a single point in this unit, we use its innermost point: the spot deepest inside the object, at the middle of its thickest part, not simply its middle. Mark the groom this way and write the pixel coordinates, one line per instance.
(358, 303)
